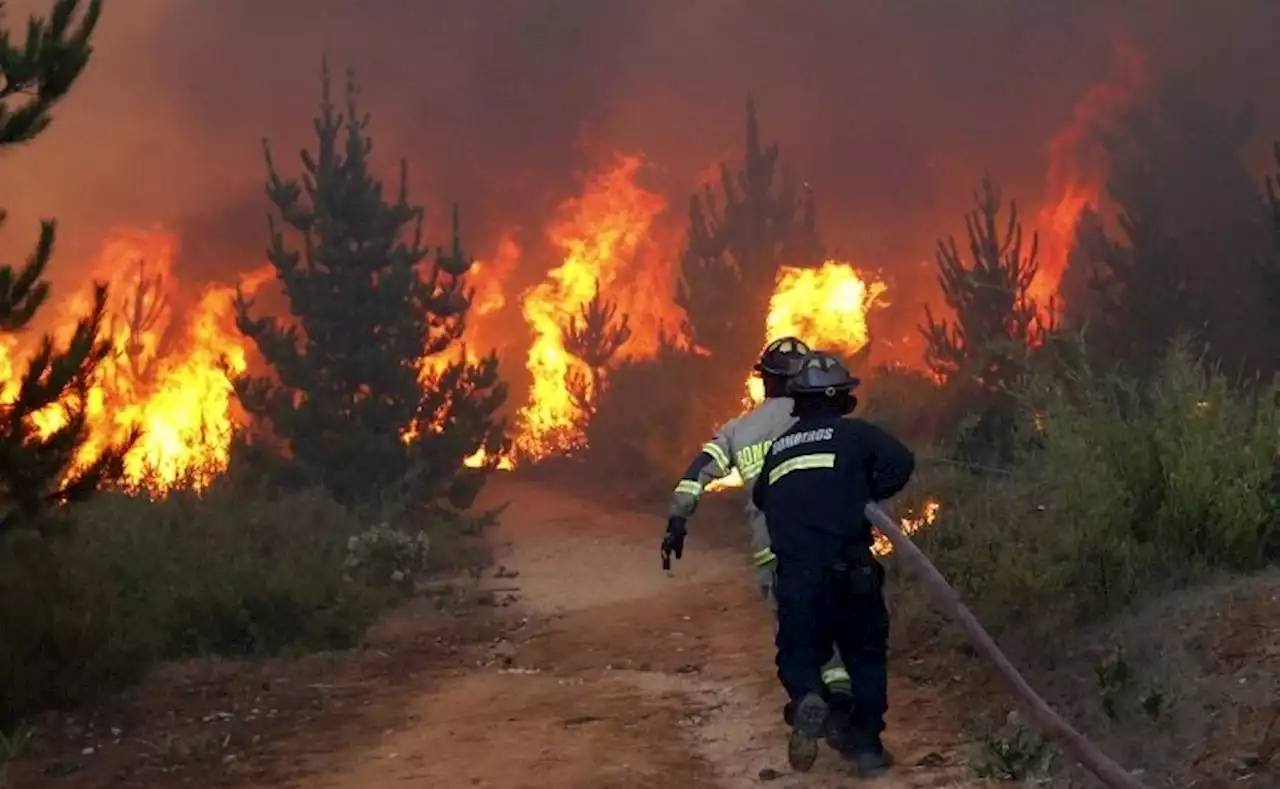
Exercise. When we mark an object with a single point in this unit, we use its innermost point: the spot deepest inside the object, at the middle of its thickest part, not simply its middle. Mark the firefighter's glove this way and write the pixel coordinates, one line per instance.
(673, 541)
(767, 577)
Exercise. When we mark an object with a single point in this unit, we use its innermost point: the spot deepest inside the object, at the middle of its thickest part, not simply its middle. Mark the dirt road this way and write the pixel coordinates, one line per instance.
(624, 677)
(604, 673)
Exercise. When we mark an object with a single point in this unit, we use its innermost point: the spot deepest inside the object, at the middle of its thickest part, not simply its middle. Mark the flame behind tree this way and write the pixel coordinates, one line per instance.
(346, 388)
(1077, 176)
(594, 336)
(826, 307)
(165, 374)
(994, 315)
(602, 234)
(982, 348)
(37, 465)
(1182, 195)
(733, 253)
(145, 324)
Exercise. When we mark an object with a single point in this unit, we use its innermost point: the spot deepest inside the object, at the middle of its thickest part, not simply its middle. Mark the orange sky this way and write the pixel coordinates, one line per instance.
(891, 110)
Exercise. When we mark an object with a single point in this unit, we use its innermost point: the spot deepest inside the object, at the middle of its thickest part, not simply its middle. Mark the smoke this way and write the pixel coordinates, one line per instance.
(890, 109)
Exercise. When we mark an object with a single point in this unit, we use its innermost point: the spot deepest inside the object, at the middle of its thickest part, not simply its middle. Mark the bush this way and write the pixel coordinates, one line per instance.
(906, 402)
(1121, 487)
(386, 558)
(652, 419)
(228, 571)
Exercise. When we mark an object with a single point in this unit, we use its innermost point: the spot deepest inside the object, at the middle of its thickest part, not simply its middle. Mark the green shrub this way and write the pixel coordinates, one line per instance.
(1121, 487)
(904, 401)
(652, 419)
(227, 571)
(385, 558)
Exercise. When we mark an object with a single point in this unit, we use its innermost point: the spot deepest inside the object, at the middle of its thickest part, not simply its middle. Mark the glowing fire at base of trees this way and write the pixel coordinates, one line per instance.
(826, 307)
(169, 376)
(602, 235)
(166, 375)
(910, 525)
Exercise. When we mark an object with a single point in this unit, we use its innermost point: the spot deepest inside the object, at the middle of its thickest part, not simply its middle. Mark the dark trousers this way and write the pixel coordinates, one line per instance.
(843, 605)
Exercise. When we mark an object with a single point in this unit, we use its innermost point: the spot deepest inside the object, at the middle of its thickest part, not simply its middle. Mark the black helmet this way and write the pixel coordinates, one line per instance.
(820, 373)
(781, 357)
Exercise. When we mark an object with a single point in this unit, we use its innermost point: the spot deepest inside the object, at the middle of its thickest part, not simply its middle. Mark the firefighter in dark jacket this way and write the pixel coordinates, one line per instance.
(741, 444)
(816, 480)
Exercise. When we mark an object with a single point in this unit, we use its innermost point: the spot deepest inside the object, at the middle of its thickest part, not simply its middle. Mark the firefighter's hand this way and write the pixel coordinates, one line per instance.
(673, 541)
(767, 578)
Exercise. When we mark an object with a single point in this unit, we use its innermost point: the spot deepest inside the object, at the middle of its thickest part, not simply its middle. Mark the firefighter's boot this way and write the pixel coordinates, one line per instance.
(870, 758)
(839, 709)
(808, 722)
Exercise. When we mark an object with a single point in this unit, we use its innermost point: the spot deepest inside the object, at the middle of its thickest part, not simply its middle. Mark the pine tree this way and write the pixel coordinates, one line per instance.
(732, 254)
(38, 472)
(1133, 307)
(1192, 228)
(982, 349)
(144, 312)
(995, 319)
(351, 396)
(594, 336)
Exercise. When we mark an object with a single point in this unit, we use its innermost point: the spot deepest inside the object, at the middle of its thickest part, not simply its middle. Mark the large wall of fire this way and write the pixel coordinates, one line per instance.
(175, 344)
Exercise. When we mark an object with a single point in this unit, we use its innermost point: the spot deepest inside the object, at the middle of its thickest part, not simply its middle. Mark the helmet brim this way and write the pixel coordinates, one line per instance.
(848, 386)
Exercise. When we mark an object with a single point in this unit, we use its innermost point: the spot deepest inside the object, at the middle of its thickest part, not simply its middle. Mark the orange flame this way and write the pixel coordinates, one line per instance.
(167, 377)
(486, 278)
(826, 307)
(1077, 171)
(163, 376)
(910, 525)
(603, 235)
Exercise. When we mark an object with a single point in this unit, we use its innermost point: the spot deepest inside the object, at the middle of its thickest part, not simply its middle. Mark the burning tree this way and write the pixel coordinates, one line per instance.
(352, 397)
(594, 337)
(1192, 228)
(145, 314)
(43, 415)
(733, 253)
(979, 352)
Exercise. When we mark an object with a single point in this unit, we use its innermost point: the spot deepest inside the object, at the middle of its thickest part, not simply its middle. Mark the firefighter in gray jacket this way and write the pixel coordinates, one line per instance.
(742, 443)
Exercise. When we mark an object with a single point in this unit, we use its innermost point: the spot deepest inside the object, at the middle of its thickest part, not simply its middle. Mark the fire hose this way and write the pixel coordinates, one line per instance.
(947, 600)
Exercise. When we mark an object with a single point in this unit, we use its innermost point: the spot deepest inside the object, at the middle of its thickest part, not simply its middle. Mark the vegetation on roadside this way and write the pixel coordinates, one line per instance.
(1121, 487)
(1085, 460)
(367, 355)
(346, 489)
(1144, 458)
(223, 571)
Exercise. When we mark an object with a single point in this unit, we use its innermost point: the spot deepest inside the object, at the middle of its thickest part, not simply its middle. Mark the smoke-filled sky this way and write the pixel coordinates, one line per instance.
(890, 109)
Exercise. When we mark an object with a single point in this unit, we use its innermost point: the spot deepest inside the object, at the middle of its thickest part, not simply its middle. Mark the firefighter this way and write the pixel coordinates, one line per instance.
(741, 443)
(812, 489)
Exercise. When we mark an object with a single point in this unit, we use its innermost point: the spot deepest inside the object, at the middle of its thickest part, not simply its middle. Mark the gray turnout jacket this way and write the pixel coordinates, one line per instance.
(740, 443)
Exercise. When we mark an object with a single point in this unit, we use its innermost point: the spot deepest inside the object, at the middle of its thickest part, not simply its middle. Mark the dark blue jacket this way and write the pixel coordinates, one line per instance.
(817, 480)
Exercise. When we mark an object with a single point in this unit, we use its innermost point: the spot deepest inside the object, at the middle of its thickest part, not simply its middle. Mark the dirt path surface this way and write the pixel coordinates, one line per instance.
(604, 672)
(626, 677)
